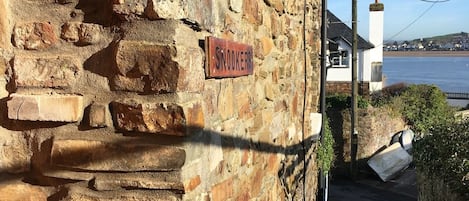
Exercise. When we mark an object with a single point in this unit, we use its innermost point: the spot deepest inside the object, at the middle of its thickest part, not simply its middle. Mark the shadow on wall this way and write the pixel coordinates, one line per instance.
(132, 148)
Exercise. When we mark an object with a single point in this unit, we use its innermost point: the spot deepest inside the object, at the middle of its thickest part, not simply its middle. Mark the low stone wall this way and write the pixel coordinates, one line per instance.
(336, 87)
(376, 126)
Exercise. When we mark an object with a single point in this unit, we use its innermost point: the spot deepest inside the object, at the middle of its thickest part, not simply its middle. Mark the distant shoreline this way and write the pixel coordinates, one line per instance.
(426, 53)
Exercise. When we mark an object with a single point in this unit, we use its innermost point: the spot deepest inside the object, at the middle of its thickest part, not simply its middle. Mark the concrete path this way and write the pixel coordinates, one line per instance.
(371, 188)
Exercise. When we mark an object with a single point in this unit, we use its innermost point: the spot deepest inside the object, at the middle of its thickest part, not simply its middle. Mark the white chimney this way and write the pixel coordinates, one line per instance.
(376, 30)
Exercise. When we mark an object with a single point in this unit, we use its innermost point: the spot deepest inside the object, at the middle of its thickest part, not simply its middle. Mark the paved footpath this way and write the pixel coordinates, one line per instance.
(403, 188)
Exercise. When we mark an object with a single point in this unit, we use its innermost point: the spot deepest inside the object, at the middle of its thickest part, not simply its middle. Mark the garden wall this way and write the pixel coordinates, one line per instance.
(376, 126)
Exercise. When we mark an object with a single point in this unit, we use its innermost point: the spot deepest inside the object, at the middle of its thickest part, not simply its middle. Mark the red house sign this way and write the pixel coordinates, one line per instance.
(227, 58)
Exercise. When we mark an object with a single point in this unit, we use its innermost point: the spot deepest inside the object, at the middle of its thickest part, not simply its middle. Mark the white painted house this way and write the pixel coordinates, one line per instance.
(370, 54)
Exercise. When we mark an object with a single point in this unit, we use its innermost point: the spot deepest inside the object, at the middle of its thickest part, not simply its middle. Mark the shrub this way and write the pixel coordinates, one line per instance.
(423, 106)
(326, 149)
(445, 154)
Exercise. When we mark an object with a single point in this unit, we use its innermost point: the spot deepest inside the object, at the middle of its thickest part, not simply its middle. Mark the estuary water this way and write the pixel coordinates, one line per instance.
(450, 74)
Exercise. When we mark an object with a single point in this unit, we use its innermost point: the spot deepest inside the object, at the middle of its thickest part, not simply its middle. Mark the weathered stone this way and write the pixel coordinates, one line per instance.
(115, 156)
(15, 155)
(140, 180)
(34, 36)
(191, 184)
(67, 174)
(21, 192)
(60, 108)
(236, 6)
(163, 32)
(97, 116)
(129, 9)
(169, 119)
(81, 33)
(223, 190)
(76, 193)
(277, 4)
(53, 72)
(251, 12)
(267, 45)
(198, 13)
(158, 68)
(226, 101)
(122, 83)
(4, 24)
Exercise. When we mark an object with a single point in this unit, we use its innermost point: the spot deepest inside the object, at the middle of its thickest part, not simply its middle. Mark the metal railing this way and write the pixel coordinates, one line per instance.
(457, 95)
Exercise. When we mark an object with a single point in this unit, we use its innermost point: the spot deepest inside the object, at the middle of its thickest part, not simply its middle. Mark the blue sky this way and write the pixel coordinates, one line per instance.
(443, 18)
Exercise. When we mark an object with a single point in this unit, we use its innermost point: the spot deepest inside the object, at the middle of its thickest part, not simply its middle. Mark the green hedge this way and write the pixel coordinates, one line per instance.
(423, 106)
(445, 154)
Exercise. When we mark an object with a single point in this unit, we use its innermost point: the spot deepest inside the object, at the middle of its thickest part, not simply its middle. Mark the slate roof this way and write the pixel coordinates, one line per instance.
(338, 30)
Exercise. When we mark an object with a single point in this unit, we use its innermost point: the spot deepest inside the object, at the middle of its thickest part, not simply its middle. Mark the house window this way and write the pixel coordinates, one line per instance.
(339, 59)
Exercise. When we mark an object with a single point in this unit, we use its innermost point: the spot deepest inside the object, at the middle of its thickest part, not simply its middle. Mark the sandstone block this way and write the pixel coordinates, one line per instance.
(226, 101)
(15, 153)
(123, 83)
(223, 190)
(140, 180)
(21, 192)
(97, 116)
(158, 118)
(4, 24)
(67, 174)
(59, 108)
(153, 69)
(251, 12)
(276, 4)
(129, 9)
(34, 36)
(76, 193)
(199, 13)
(123, 156)
(52, 72)
(192, 183)
(81, 33)
(236, 6)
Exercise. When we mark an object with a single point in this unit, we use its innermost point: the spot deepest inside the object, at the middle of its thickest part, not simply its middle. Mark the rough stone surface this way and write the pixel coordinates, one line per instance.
(168, 119)
(376, 128)
(115, 156)
(123, 83)
(129, 9)
(150, 68)
(60, 108)
(81, 33)
(21, 192)
(53, 72)
(236, 6)
(15, 155)
(84, 194)
(143, 180)
(67, 174)
(4, 36)
(277, 4)
(97, 116)
(34, 36)
(198, 13)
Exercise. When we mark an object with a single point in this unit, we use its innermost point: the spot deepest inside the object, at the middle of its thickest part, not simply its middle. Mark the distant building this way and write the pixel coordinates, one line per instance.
(370, 54)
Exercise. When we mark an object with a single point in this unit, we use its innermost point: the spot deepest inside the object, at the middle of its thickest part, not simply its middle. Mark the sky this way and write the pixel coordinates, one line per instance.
(443, 18)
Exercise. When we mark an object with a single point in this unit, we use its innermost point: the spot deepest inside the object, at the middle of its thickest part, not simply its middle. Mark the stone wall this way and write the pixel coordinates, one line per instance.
(336, 87)
(108, 100)
(376, 126)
